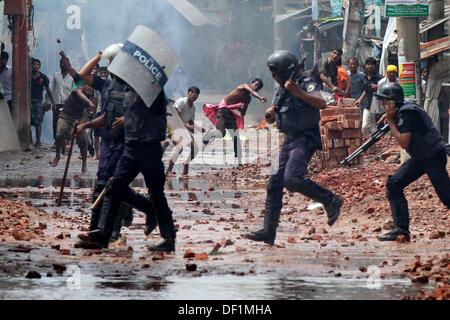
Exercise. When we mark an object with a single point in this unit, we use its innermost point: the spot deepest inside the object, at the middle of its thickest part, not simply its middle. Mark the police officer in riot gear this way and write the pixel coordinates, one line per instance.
(113, 144)
(414, 131)
(145, 128)
(297, 113)
(144, 62)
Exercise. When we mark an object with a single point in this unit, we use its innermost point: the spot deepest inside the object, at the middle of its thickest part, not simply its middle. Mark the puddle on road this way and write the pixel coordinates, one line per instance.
(78, 182)
(44, 192)
(205, 288)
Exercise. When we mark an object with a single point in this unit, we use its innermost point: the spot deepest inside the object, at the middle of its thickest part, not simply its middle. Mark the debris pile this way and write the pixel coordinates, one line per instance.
(341, 135)
(20, 222)
(436, 269)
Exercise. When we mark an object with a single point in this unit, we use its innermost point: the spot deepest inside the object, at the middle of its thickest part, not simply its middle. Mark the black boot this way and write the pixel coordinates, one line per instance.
(143, 204)
(165, 223)
(333, 209)
(150, 224)
(95, 215)
(124, 219)
(98, 237)
(312, 190)
(127, 217)
(400, 216)
(166, 245)
(262, 235)
(106, 224)
(93, 240)
(271, 218)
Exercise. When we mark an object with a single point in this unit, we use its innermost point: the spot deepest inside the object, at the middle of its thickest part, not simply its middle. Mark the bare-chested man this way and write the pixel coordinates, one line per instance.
(229, 114)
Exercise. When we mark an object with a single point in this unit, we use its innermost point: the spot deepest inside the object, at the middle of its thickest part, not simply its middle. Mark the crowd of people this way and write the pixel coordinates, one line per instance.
(130, 135)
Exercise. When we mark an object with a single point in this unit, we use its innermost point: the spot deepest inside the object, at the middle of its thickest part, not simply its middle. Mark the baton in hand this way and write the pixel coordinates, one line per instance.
(72, 140)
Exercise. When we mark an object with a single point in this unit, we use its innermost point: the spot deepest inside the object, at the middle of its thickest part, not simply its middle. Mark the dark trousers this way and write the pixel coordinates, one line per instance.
(413, 169)
(225, 122)
(294, 157)
(105, 155)
(292, 168)
(113, 150)
(145, 158)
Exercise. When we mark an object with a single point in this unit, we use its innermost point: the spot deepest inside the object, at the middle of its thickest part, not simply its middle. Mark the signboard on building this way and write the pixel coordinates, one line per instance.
(336, 8)
(406, 8)
(407, 77)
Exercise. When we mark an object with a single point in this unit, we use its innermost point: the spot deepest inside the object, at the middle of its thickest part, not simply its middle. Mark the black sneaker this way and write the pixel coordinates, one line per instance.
(333, 210)
(164, 246)
(261, 235)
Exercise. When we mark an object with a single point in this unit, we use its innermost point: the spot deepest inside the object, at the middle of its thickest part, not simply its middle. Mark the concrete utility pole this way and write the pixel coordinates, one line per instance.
(279, 7)
(353, 28)
(21, 67)
(409, 47)
(315, 19)
(438, 72)
(436, 12)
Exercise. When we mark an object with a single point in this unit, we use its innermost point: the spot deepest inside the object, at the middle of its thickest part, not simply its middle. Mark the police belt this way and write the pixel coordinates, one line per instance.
(298, 134)
(116, 95)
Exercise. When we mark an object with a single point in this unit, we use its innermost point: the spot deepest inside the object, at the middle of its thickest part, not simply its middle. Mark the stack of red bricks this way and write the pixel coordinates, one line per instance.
(340, 129)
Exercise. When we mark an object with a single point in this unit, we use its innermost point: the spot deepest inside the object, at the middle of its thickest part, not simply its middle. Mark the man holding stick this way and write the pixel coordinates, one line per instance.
(76, 108)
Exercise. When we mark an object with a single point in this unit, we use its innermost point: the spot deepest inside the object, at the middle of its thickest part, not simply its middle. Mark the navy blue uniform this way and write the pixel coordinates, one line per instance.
(145, 128)
(112, 147)
(428, 156)
(299, 121)
(102, 85)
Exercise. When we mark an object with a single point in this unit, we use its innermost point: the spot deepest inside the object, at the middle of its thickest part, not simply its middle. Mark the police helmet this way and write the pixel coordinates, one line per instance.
(392, 91)
(282, 62)
(112, 51)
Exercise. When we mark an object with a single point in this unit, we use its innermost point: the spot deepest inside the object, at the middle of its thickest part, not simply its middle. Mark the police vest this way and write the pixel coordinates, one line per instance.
(145, 124)
(114, 96)
(295, 115)
(423, 147)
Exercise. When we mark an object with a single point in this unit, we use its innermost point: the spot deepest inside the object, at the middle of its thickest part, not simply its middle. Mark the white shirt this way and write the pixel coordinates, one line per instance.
(186, 112)
(60, 87)
(6, 83)
(384, 81)
(377, 105)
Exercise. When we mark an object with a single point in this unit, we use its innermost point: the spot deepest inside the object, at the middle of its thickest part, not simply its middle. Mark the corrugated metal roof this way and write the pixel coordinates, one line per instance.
(295, 14)
(431, 48)
(429, 26)
(329, 23)
(191, 13)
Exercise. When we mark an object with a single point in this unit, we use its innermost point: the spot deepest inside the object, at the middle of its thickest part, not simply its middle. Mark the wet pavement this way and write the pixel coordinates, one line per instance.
(211, 216)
